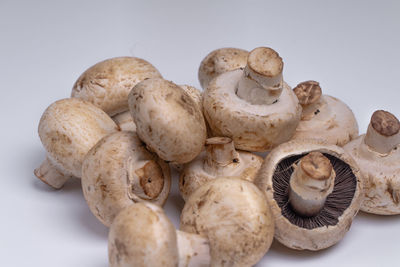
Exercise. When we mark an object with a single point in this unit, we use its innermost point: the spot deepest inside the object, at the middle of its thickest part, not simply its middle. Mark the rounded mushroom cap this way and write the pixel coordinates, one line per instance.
(69, 128)
(168, 120)
(119, 171)
(330, 225)
(251, 127)
(234, 216)
(324, 117)
(220, 61)
(108, 83)
(142, 235)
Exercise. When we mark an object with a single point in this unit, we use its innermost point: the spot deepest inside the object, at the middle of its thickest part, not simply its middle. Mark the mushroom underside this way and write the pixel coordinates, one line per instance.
(336, 203)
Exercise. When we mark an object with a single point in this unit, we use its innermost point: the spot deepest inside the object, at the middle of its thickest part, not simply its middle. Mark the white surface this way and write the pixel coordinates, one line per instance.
(350, 47)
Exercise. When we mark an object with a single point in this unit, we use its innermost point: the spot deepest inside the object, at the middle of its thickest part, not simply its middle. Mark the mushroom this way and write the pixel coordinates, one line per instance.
(324, 117)
(254, 107)
(142, 235)
(108, 83)
(219, 159)
(234, 216)
(378, 154)
(219, 61)
(314, 191)
(119, 171)
(168, 120)
(68, 129)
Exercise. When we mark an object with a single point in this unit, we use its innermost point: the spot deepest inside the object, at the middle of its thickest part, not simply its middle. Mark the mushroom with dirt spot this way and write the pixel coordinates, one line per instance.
(314, 190)
(254, 107)
(142, 235)
(168, 120)
(220, 159)
(324, 117)
(119, 171)
(68, 129)
(378, 154)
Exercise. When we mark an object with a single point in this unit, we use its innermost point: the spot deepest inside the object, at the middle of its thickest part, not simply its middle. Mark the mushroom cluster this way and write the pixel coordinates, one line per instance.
(125, 125)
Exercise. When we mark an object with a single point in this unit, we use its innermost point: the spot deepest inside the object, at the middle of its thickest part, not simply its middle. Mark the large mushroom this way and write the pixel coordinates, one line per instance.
(324, 117)
(378, 154)
(220, 159)
(234, 216)
(68, 129)
(108, 83)
(219, 61)
(254, 107)
(168, 120)
(142, 235)
(314, 191)
(119, 171)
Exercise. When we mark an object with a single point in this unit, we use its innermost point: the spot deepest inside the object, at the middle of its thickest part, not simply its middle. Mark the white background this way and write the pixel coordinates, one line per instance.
(350, 47)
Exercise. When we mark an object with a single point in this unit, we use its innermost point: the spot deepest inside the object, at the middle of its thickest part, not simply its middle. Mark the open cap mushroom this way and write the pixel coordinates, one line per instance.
(108, 83)
(219, 61)
(314, 191)
(324, 117)
(68, 129)
(119, 171)
(168, 120)
(142, 235)
(378, 154)
(220, 159)
(254, 106)
(234, 216)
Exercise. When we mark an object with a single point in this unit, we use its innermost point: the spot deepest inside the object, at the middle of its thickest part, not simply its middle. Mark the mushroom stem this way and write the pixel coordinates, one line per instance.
(194, 250)
(220, 152)
(50, 175)
(311, 182)
(262, 80)
(309, 94)
(383, 132)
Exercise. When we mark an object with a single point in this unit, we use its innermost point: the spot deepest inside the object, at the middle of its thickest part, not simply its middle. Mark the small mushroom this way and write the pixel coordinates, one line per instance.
(324, 117)
(219, 61)
(234, 216)
(68, 129)
(108, 83)
(378, 154)
(142, 235)
(219, 159)
(119, 171)
(168, 120)
(254, 107)
(314, 191)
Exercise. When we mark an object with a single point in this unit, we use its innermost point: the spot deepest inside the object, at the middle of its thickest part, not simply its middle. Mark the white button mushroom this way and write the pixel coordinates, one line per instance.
(142, 235)
(219, 61)
(108, 83)
(234, 216)
(219, 159)
(324, 117)
(254, 106)
(168, 120)
(378, 154)
(297, 178)
(119, 171)
(68, 129)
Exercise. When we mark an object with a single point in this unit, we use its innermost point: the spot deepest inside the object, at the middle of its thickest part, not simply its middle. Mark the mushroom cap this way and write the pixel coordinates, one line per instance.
(194, 174)
(119, 171)
(324, 117)
(69, 128)
(251, 127)
(234, 216)
(125, 121)
(108, 83)
(294, 232)
(168, 120)
(381, 175)
(142, 235)
(195, 94)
